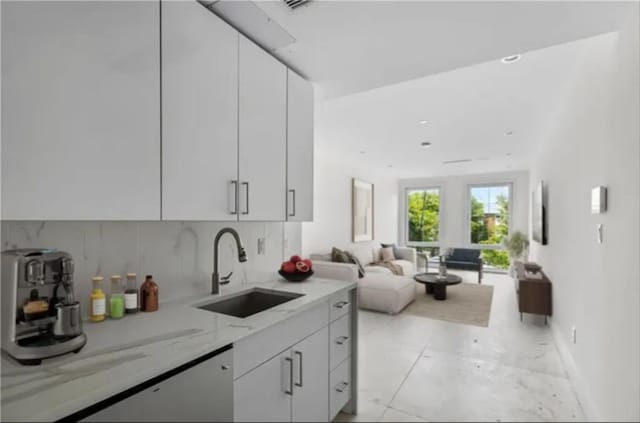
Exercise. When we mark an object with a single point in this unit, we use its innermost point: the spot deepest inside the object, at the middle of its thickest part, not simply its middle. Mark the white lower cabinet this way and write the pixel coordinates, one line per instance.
(262, 394)
(301, 369)
(292, 386)
(310, 402)
(339, 388)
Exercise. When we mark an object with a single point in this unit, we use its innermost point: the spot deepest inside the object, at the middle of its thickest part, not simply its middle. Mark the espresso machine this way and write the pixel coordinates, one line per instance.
(40, 315)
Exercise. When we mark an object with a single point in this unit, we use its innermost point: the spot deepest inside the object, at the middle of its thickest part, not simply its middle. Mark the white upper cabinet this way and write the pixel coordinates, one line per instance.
(263, 135)
(299, 148)
(80, 110)
(199, 114)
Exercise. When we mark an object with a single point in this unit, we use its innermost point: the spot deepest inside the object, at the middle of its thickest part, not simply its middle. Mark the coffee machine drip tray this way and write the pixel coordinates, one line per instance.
(34, 349)
(42, 341)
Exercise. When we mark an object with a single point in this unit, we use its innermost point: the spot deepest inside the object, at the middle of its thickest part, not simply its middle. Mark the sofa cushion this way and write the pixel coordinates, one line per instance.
(320, 257)
(407, 267)
(387, 254)
(377, 269)
(396, 252)
(339, 256)
(353, 259)
(386, 293)
(363, 253)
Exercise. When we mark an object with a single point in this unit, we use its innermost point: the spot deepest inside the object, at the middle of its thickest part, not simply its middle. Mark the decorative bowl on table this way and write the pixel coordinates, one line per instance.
(296, 269)
(295, 276)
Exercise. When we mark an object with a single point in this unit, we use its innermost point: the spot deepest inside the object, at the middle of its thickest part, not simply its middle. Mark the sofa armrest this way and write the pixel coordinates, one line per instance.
(337, 271)
(409, 254)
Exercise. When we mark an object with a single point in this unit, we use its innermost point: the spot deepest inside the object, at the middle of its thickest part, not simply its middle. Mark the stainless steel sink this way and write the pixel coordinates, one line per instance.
(248, 303)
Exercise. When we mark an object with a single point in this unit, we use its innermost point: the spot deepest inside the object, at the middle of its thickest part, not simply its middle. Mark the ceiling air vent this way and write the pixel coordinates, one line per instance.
(295, 3)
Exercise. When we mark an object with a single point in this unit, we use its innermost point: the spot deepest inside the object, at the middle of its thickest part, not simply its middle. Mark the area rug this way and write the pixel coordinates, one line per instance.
(466, 303)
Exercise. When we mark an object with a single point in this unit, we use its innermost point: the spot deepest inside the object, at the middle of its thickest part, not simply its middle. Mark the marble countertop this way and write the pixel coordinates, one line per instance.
(120, 354)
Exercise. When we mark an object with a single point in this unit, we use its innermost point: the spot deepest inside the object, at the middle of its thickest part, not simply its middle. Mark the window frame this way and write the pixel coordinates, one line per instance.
(468, 214)
(406, 216)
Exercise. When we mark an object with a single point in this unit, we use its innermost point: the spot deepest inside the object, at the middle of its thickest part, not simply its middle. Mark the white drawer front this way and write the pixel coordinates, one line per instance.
(340, 340)
(339, 388)
(339, 305)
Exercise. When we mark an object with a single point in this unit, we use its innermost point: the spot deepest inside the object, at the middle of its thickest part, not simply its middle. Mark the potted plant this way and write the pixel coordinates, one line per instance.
(516, 245)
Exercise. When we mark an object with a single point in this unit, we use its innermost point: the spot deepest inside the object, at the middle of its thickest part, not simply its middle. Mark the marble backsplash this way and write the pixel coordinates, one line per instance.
(179, 255)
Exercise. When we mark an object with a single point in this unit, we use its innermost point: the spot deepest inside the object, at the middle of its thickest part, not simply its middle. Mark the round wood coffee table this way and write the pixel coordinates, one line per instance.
(435, 285)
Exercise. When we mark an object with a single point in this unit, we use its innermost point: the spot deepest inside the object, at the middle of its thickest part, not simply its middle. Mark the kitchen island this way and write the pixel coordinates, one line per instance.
(121, 355)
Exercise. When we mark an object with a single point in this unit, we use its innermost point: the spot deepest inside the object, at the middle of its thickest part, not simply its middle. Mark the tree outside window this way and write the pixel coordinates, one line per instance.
(423, 217)
(489, 215)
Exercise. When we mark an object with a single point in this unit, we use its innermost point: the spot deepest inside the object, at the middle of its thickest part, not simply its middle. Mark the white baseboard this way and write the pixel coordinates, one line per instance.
(589, 407)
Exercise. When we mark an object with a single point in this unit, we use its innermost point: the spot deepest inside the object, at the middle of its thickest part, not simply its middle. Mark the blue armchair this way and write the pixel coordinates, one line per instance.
(465, 259)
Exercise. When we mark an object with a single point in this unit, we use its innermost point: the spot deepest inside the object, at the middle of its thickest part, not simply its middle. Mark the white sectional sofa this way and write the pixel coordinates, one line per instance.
(379, 289)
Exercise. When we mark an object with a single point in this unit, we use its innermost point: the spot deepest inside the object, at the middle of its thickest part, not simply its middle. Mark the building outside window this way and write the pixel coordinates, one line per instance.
(489, 222)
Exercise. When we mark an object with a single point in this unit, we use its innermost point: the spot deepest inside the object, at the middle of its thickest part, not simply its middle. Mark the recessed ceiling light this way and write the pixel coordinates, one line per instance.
(389, 165)
(362, 151)
(423, 122)
(511, 59)
(425, 144)
(508, 133)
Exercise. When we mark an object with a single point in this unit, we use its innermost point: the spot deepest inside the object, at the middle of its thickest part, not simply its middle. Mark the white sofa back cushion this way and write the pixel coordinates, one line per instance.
(363, 254)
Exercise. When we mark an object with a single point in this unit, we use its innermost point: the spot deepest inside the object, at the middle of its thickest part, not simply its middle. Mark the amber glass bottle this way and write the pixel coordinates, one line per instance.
(149, 295)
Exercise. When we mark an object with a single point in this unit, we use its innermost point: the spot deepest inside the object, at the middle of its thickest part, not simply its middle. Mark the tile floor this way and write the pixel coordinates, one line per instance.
(417, 369)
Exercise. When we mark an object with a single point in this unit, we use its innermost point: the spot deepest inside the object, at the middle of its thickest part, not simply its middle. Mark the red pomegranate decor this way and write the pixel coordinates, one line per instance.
(303, 267)
(296, 269)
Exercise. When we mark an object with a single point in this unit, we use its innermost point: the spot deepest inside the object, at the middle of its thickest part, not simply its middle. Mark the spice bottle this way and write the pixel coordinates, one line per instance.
(97, 300)
(116, 300)
(131, 294)
(149, 295)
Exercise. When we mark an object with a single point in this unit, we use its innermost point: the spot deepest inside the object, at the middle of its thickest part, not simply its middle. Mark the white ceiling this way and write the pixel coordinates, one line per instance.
(467, 111)
(379, 67)
(351, 46)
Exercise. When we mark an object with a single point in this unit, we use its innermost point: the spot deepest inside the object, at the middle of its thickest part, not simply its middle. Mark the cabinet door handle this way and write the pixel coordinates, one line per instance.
(341, 340)
(293, 202)
(341, 304)
(234, 184)
(299, 354)
(289, 390)
(246, 211)
(342, 386)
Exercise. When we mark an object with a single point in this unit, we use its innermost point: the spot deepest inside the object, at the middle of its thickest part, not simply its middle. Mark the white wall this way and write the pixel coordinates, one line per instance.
(332, 213)
(178, 254)
(454, 200)
(595, 140)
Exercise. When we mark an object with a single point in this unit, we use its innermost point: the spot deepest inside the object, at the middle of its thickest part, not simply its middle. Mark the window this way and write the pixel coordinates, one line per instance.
(423, 216)
(489, 215)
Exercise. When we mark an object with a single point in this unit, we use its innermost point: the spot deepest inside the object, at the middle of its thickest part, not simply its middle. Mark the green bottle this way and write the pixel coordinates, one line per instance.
(116, 300)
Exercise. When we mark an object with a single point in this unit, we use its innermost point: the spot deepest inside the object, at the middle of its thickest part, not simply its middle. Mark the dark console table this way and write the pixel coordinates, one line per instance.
(534, 293)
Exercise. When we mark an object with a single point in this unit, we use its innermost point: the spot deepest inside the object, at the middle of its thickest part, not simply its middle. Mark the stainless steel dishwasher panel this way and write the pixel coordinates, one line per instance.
(200, 392)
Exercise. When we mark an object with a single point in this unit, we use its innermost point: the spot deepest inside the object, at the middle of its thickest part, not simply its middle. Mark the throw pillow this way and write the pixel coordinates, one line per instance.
(396, 252)
(355, 261)
(387, 254)
(339, 256)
